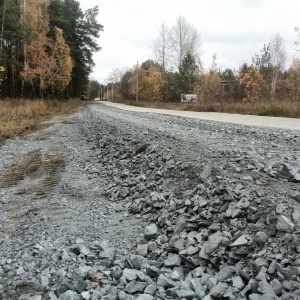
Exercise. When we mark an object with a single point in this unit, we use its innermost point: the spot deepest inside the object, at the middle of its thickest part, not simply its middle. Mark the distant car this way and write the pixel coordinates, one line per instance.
(186, 98)
(97, 99)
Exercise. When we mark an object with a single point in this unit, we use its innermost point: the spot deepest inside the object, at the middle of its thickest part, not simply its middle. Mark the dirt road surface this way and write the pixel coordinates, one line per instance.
(111, 204)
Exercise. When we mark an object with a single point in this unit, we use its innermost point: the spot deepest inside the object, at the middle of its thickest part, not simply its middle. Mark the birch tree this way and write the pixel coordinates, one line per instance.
(161, 48)
(185, 39)
(278, 58)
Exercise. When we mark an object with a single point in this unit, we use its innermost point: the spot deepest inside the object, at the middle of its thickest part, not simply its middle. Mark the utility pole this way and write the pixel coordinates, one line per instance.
(137, 81)
(112, 91)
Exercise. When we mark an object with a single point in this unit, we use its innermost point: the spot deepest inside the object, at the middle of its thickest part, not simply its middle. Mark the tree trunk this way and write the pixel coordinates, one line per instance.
(274, 82)
(2, 25)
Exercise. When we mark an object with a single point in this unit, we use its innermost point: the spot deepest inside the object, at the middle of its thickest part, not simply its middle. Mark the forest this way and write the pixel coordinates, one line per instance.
(46, 48)
(176, 68)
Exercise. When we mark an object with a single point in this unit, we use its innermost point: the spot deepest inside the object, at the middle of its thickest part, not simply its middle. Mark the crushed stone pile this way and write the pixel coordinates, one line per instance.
(155, 207)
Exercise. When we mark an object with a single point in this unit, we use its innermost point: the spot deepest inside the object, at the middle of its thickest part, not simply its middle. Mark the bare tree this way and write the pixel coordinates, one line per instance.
(278, 58)
(115, 77)
(161, 48)
(185, 39)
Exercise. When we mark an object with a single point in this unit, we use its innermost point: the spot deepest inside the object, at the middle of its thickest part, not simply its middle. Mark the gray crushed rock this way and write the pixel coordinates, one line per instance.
(111, 204)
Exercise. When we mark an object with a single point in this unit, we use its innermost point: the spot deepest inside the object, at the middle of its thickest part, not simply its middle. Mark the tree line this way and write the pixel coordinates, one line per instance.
(46, 48)
(176, 68)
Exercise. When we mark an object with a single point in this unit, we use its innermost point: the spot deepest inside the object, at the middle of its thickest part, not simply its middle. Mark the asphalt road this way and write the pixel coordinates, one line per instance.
(260, 121)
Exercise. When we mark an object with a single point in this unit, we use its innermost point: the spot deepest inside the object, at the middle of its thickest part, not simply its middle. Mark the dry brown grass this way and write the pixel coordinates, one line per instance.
(288, 109)
(19, 117)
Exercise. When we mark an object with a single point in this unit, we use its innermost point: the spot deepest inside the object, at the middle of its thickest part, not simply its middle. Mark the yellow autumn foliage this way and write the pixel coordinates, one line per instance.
(47, 62)
(2, 70)
(150, 84)
(293, 79)
(209, 87)
(253, 83)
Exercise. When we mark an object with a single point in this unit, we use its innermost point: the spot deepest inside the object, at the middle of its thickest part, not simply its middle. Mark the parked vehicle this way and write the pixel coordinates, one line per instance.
(83, 97)
(186, 98)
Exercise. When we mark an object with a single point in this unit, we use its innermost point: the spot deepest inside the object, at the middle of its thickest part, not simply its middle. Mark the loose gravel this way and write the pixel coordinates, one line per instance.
(112, 204)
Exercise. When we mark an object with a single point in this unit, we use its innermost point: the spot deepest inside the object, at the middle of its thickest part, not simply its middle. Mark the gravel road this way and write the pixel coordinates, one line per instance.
(250, 120)
(114, 204)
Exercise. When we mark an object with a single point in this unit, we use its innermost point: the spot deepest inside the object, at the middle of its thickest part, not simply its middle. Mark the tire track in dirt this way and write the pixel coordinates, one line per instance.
(28, 180)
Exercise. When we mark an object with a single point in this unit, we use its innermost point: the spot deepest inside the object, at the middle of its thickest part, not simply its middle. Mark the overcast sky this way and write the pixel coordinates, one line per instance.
(233, 29)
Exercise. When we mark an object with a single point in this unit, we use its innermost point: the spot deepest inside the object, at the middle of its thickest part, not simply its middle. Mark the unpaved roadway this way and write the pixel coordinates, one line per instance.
(250, 120)
(111, 204)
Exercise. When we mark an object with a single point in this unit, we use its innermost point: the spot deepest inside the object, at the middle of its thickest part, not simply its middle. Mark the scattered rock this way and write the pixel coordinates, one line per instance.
(134, 216)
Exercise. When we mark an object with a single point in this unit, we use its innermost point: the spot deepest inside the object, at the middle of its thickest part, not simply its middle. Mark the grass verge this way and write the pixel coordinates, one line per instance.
(20, 117)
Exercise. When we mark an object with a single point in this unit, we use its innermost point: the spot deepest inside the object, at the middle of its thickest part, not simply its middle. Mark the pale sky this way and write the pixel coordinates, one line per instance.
(235, 30)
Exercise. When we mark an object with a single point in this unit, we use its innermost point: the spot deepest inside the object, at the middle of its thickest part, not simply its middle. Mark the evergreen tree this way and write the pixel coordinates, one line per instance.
(12, 36)
(187, 75)
(263, 62)
(81, 30)
(125, 85)
(227, 74)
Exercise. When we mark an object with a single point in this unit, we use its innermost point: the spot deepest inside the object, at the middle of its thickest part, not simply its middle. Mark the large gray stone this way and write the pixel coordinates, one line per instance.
(291, 271)
(135, 286)
(145, 297)
(277, 286)
(69, 295)
(285, 224)
(238, 282)
(142, 249)
(241, 241)
(206, 172)
(108, 253)
(198, 288)
(260, 238)
(151, 231)
(30, 297)
(219, 290)
(173, 261)
(183, 294)
(164, 282)
(265, 288)
(130, 274)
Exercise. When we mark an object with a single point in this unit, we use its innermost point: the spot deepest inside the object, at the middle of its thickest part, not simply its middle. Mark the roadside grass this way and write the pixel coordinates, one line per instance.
(20, 117)
(287, 109)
